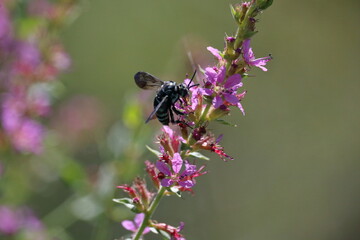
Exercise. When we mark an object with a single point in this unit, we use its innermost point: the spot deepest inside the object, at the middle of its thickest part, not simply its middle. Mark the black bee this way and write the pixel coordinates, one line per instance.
(168, 94)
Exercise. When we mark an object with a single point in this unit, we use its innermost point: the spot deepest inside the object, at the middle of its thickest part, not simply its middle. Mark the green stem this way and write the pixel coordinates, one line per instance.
(203, 115)
(149, 213)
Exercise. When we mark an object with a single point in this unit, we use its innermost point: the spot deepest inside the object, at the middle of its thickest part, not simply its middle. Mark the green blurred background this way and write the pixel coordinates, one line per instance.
(296, 173)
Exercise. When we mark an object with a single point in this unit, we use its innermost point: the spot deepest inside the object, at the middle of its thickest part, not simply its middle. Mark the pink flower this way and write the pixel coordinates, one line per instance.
(249, 56)
(174, 176)
(170, 142)
(9, 222)
(133, 226)
(5, 25)
(13, 220)
(29, 137)
(223, 92)
(215, 52)
(174, 232)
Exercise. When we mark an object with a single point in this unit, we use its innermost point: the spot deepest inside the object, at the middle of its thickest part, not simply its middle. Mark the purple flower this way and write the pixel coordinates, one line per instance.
(14, 220)
(9, 222)
(13, 108)
(223, 92)
(5, 26)
(28, 58)
(133, 226)
(29, 137)
(173, 176)
(170, 141)
(249, 56)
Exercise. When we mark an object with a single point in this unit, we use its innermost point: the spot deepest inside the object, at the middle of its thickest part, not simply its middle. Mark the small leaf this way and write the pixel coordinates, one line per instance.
(175, 190)
(199, 155)
(222, 121)
(233, 11)
(125, 201)
(250, 34)
(164, 234)
(157, 153)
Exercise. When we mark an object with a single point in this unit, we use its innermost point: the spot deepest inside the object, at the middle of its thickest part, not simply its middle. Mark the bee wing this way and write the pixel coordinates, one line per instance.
(145, 80)
(156, 109)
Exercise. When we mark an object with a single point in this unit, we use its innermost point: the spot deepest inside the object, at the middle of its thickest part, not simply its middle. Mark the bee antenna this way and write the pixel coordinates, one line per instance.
(192, 78)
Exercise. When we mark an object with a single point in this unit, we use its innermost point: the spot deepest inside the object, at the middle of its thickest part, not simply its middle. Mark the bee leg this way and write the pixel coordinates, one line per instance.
(176, 111)
(181, 102)
(171, 116)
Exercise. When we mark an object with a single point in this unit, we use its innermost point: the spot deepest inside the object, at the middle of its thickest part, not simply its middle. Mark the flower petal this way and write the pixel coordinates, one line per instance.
(187, 183)
(168, 130)
(231, 98)
(163, 167)
(129, 225)
(247, 51)
(138, 219)
(232, 81)
(210, 74)
(260, 63)
(219, 138)
(167, 182)
(221, 75)
(176, 162)
(146, 230)
(181, 227)
(189, 169)
(217, 102)
(241, 108)
(215, 52)
(206, 91)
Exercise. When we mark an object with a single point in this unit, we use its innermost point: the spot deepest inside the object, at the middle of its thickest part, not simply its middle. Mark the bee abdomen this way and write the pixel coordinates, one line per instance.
(162, 114)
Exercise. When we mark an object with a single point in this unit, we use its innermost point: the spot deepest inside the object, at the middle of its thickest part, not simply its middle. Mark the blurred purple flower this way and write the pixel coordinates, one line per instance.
(60, 59)
(13, 220)
(28, 58)
(29, 137)
(30, 221)
(5, 25)
(38, 101)
(9, 223)
(133, 226)
(41, 8)
(249, 56)
(13, 109)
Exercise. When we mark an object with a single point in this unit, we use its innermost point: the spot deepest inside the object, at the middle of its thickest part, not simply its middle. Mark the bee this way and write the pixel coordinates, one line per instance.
(168, 93)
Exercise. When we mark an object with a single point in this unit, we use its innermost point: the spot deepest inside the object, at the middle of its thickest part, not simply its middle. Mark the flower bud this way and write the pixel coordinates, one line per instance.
(216, 113)
(264, 4)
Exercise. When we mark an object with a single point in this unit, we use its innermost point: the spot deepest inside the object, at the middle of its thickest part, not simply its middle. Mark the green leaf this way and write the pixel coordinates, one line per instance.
(250, 34)
(157, 153)
(128, 203)
(125, 201)
(222, 121)
(199, 155)
(233, 12)
(175, 190)
(164, 234)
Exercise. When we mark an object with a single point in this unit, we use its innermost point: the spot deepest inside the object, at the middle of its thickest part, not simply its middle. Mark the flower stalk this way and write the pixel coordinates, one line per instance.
(208, 101)
(150, 212)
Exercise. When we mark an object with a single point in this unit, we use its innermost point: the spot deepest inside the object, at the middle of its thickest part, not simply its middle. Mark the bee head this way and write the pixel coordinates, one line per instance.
(183, 90)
